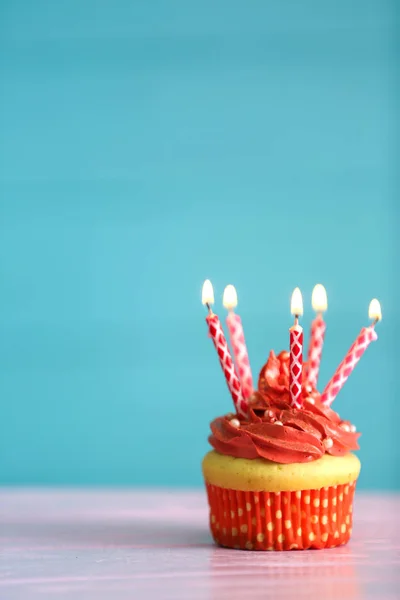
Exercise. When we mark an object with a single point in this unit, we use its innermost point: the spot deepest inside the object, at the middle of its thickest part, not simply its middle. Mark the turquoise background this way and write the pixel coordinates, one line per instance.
(147, 145)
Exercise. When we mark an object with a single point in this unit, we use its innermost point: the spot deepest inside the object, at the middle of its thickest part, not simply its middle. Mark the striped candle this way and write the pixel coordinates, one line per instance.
(238, 342)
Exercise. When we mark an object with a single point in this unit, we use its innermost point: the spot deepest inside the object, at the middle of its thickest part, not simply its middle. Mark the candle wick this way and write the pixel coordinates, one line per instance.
(296, 320)
(210, 312)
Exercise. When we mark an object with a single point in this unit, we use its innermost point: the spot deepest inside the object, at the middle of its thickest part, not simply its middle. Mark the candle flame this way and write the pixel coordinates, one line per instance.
(229, 299)
(296, 305)
(375, 311)
(319, 299)
(207, 294)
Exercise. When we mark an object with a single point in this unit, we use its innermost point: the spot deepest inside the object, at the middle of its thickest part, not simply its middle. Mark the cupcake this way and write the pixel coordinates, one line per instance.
(282, 473)
(284, 478)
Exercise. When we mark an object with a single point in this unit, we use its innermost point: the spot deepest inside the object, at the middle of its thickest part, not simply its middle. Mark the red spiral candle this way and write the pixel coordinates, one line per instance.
(221, 346)
(320, 304)
(363, 340)
(238, 342)
(296, 351)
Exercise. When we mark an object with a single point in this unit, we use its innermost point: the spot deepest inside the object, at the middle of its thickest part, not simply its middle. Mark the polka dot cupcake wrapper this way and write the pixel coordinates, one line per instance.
(281, 520)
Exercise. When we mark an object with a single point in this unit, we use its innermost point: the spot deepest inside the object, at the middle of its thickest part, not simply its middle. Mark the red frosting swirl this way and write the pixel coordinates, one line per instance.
(276, 431)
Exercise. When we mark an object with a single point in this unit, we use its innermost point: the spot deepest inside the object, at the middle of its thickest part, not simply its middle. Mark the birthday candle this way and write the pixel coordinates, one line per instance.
(319, 304)
(221, 346)
(238, 343)
(361, 343)
(296, 351)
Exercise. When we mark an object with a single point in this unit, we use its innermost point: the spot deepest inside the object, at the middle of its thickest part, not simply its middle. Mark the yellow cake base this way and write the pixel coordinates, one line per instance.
(262, 475)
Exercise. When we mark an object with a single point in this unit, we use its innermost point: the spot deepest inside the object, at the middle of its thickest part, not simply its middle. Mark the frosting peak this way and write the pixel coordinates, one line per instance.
(278, 432)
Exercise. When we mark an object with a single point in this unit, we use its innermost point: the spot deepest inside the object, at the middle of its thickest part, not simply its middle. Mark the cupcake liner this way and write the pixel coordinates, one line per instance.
(281, 520)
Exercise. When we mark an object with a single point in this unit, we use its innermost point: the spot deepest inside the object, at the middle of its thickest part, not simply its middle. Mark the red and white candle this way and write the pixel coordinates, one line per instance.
(365, 337)
(221, 346)
(320, 304)
(238, 343)
(296, 351)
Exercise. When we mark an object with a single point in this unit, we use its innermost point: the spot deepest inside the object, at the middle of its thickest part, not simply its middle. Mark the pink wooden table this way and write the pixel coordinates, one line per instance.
(127, 544)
